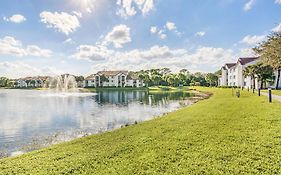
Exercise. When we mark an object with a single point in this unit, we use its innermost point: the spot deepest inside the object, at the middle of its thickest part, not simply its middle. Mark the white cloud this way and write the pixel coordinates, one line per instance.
(277, 28)
(16, 18)
(252, 40)
(36, 51)
(246, 52)
(129, 7)
(171, 26)
(10, 46)
(21, 69)
(200, 34)
(162, 35)
(278, 1)
(248, 6)
(63, 22)
(154, 57)
(153, 29)
(69, 41)
(162, 32)
(93, 53)
(119, 36)
(78, 14)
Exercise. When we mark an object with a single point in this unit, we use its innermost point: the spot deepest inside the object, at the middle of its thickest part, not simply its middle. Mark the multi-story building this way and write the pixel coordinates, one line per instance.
(232, 73)
(113, 79)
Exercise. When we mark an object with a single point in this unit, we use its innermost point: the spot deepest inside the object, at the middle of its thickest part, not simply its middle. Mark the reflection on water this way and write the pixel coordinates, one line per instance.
(31, 119)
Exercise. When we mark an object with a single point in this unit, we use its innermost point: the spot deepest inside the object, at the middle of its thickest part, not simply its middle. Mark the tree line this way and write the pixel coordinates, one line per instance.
(165, 77)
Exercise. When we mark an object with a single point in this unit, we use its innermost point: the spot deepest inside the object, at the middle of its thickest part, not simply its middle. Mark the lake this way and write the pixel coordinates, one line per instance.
(32, 119)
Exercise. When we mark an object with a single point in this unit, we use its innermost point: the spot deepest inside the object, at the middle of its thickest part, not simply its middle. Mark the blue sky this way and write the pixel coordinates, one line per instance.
(40, 37)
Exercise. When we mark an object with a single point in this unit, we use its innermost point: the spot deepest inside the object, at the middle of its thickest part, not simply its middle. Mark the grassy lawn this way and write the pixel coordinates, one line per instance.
(168, 88)
(275, 92)
(221, 135)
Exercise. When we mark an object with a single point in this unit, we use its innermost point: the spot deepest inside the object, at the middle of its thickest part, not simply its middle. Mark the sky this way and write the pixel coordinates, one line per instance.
(81, 37)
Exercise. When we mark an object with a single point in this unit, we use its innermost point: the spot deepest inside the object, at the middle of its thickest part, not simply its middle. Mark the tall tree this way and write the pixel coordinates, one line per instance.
(264, 73)
(251, 71)
(270, 53)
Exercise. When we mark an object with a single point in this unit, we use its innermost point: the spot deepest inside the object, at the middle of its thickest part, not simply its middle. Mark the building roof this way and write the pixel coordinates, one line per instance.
(229, 65)
(246, 60)
(90, 77)
(111, 73)
(106, 73)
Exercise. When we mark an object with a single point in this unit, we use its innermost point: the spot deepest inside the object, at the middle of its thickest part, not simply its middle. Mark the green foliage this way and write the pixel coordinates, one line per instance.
(270, 52)
(164, 77)
(212, 79)
(221, 135)
(4, 82)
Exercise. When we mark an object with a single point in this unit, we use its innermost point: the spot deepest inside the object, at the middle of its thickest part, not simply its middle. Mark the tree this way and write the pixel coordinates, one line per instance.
(155, 78)
(4, 82)
(144, 76)
(270, 53)
(212, 79)
(79, 78)
(251, 71)
(264, 73)
(103, 79)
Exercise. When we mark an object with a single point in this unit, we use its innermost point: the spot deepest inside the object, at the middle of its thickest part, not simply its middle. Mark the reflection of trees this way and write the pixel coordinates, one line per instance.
(125, 97)
(119, 97)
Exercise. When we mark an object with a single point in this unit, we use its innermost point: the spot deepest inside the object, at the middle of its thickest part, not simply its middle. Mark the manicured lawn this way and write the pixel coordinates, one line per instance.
(168, 88)
(275, 92)
(221, 135)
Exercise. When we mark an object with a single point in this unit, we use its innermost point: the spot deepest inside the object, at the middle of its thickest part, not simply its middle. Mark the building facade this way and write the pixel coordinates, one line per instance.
(113, 79)
(232, 73)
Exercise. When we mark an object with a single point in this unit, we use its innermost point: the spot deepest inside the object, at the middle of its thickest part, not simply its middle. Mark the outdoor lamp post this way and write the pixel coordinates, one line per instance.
(269, 95)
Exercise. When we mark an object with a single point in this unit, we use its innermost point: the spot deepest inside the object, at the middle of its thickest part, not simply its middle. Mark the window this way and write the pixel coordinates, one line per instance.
(234, 76)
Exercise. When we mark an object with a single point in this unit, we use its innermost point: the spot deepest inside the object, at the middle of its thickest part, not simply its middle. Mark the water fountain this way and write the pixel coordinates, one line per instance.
(64, 86)
(63, 83)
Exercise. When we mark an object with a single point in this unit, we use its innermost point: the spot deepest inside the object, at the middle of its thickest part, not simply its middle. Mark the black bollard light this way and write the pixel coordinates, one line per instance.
(259, 92)
(269, 95)
(253, 90)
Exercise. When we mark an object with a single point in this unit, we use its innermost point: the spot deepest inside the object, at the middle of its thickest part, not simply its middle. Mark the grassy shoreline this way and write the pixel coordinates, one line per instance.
(223, 134)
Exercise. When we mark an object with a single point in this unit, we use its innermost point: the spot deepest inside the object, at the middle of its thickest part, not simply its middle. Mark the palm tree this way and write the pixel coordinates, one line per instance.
(270, 52)
(251, 71)
(264, 73)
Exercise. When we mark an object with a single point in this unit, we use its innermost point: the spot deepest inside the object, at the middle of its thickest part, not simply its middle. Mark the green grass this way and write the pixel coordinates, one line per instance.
(167, 88)
(275, 92)
(221, 135)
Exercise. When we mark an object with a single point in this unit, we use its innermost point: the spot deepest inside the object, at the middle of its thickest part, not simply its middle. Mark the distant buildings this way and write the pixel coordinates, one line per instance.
(30, 82)
(232, 73)
(113, 79)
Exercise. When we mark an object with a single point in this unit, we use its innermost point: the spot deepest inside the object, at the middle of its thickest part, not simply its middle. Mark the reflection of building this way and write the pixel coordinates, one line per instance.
(119, 97)
(113, 79)
(232, 73)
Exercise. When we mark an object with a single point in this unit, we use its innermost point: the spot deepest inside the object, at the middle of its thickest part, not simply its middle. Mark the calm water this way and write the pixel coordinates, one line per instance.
(32, 119)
